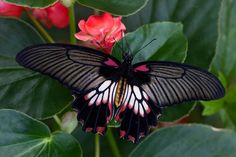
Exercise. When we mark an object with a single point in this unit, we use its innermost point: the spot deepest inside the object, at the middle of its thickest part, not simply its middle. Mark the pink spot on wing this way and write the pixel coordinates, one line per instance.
(88, 129)
(142, 68)
(130, 106)
(141, 134)
(111, 63)
(117, 117)
(148, 110)
(86, 97)
(123, 107)
(131, 138)
(110, 114)
(122, 133)
(100, 130)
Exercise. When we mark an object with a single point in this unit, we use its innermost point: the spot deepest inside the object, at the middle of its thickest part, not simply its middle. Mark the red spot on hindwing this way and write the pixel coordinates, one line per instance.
(88, 129)
(101, 130)
(142, 68)
(111, 63)
(131, 138)
(122, 133)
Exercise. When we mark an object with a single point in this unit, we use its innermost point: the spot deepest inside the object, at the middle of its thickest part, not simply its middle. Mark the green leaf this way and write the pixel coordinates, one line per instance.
(117, 7)
(225, 59)
(23, 136)
(201, 30)
(188, 140)
(229, 106)
(22, 89)
(32, 3)
(176, 112)
(212, 107)
(169, 43)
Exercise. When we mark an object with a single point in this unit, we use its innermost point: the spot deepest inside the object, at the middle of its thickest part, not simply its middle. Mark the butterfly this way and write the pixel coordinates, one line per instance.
(105, 88)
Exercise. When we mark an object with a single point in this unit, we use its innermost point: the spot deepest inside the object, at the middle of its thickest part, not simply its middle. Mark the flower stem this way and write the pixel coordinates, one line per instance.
(72, 25)
(97, 146)
(40, 28)
(112, 143)
(57, 120)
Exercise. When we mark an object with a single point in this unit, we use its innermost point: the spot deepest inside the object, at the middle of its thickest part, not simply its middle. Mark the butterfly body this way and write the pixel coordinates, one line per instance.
(105, 88)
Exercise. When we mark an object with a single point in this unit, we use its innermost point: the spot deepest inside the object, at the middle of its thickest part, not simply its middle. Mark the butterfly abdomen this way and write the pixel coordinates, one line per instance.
(120, 91)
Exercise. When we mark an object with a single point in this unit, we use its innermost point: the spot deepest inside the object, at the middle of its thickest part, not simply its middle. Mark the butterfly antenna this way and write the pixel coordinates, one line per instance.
(145, 45)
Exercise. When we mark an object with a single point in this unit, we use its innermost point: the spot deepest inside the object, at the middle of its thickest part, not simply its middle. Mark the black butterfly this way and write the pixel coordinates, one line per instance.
(104, 88)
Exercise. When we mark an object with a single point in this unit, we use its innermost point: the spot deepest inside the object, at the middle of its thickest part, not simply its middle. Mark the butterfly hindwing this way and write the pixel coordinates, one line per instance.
(137, 113)
(172, 83)
(95, 108)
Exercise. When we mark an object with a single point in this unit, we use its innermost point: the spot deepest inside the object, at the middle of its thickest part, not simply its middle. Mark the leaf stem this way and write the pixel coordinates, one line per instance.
(40, 28)
(72, 25)
(97, 146)
(57, 120)
(112, 143)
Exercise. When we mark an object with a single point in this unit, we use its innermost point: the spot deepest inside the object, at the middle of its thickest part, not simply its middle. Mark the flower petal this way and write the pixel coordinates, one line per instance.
(81, 26)
(7, 9)
(83, 36)
(98, 24)
(42, 16)
(102, 31)
(58, 14)
(118, 26)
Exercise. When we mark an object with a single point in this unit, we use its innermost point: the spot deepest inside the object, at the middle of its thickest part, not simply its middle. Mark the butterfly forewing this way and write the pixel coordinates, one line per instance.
(172, 83)
(76, 67)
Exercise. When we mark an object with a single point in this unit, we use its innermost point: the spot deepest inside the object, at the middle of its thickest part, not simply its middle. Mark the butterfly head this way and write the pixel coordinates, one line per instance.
(127, 58)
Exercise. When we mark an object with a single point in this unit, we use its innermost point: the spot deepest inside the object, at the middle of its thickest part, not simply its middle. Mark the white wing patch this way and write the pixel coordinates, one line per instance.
(135, 99)
(104, 85)
(103, 94)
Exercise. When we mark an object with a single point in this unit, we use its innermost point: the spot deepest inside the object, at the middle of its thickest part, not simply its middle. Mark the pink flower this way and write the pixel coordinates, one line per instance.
(7, 9)
(101, 31)
(56, 15)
